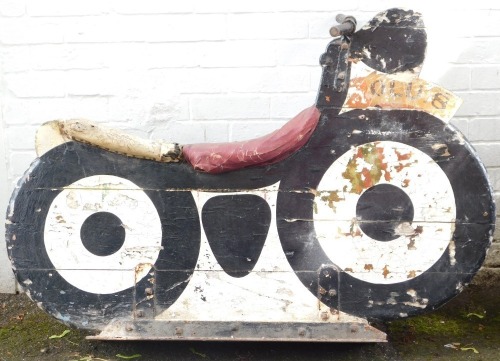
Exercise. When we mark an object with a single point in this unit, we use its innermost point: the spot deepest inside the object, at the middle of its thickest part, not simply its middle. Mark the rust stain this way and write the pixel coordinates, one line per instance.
(406, 183)
(412, 274)
(141, 267)
(403, 158)
(60, 219)
(327, 98)
(370, 175)
(331, 198)
(348, 269)
(386, 271)
(368, 267)
(418, 230)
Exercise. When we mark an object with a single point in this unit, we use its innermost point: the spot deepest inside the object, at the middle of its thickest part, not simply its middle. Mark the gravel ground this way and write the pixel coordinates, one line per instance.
(469, 325)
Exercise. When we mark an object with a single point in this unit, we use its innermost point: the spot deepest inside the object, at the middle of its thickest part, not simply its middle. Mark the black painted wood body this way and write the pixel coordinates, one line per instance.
(369, 183)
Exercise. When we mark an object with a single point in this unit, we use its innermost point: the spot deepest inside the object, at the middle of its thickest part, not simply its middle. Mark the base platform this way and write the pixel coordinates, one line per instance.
(240, 331)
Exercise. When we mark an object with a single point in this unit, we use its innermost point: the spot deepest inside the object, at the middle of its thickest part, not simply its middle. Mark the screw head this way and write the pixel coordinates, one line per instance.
(332, 293)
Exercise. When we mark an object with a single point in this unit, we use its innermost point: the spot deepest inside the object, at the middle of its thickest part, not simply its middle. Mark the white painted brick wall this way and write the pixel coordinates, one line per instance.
(197, 70)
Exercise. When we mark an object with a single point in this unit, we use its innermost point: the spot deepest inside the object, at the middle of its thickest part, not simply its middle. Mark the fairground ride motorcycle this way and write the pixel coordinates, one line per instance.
(367, 205)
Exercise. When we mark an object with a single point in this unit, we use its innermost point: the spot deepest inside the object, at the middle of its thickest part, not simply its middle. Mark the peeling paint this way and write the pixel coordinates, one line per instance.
(71, 200)
(331, 198)
(366, 168)
(441, 148)
(92, 207)
(451, 252)
(412, 274)
(404, 229)
(418, 245)
(370, 89)
(416, 301)
(143, 234)
(386, 271)
(391, 301)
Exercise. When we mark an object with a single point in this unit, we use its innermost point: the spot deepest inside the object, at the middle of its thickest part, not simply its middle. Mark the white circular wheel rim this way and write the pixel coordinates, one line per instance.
(420, 243)
(115, 272)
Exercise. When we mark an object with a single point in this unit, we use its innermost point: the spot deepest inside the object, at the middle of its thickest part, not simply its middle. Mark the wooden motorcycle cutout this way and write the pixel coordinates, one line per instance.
(367, 205)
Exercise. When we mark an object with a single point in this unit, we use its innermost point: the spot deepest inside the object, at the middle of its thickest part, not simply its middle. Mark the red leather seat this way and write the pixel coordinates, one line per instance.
(271, 148)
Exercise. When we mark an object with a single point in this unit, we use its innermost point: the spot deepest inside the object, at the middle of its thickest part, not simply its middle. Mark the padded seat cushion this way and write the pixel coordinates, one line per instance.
(268, 149)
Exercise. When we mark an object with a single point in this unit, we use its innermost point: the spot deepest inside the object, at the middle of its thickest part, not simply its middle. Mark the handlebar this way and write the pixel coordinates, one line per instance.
(347, 25)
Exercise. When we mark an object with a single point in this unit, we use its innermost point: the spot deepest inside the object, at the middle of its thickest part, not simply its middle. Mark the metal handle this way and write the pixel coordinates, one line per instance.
(347, 25)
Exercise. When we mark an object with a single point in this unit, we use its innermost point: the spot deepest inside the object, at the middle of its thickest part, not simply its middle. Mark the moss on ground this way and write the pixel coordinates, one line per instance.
(470, 322)
(428, 325)
(28, 335)
(466, 328)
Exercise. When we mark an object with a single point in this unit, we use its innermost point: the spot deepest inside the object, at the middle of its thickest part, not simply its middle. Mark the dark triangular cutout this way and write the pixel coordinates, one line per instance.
(236, 227)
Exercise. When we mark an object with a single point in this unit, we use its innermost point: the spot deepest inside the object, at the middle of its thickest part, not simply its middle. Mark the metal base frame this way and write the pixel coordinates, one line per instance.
(241, 331)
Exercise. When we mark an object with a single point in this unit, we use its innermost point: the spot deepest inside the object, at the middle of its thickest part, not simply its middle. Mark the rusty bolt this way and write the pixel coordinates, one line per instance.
(341, 75)
(321, 290)
(354, 328)
(302, 331)
(344, 46)
(332, 293)
(325, 316)
(148, 291)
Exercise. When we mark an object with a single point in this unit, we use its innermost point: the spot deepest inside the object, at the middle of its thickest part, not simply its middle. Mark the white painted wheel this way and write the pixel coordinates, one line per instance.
(418, 244)
(114, 272)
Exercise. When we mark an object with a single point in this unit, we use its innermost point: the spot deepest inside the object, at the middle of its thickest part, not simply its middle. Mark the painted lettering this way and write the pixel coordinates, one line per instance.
(439, 101)
(393, 87)
(411, 93)
(377, 90)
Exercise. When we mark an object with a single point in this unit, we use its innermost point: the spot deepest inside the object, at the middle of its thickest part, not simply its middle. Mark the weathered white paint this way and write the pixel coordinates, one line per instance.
(271, 292)
(417, 249)
(102, 274)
